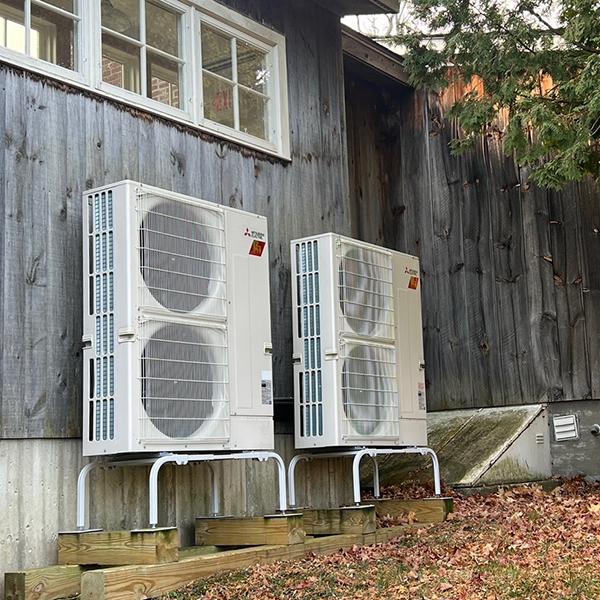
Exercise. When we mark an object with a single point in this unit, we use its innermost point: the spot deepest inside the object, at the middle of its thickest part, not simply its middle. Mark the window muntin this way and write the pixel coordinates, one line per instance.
(141, 49)
(47, 30)
(195, 61)
(235, 81)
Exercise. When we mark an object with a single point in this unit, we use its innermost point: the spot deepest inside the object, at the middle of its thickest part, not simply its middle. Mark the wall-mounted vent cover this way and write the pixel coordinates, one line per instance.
(566, 427)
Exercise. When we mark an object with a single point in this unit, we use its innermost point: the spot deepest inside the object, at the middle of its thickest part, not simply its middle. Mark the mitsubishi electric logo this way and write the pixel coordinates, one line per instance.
(258, 242)
(255, 235)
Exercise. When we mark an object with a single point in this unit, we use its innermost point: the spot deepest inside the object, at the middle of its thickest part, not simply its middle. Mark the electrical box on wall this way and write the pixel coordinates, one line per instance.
(177, 330)
(358, 345)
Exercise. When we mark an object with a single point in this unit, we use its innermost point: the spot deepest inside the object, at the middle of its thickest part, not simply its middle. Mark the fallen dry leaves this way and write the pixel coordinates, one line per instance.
(522, 543)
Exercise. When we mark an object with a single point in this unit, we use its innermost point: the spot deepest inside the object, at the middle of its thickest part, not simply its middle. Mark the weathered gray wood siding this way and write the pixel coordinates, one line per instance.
(59, 141)
(510, 284)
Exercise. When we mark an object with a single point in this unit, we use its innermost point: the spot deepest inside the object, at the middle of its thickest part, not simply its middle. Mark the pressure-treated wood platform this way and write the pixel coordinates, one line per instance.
(425, 510)
(252, 531)
(335, 521)
(141, 547)
(144, 580)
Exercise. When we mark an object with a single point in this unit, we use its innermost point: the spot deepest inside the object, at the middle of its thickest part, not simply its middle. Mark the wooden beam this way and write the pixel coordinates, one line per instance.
(47, 583)
(138, 582)
(360, 7)
(141, 547)
(334, 521)
(252, 531)
(425, 510)
(376, 57)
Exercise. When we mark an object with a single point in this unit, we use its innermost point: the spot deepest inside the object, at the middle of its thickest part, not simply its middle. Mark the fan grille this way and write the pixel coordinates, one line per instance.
(182, 255)
(370, 391)
(184, 387)
(366, 291)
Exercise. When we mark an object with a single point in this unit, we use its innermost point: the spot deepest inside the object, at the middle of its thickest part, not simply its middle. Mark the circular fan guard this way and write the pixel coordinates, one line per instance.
(363, 291)
(179, 380)
(176, 256)
(368, 388)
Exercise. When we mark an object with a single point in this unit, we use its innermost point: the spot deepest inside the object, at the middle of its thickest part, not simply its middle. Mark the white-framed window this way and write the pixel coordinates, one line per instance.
(194, 61)
(47, 30)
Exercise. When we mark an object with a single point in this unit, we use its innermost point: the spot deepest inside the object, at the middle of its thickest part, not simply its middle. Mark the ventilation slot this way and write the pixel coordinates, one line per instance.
(101, 305)
(309, 331)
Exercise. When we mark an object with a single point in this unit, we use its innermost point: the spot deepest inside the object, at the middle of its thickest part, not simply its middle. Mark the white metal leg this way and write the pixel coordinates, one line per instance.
(298, 457)
(184, 459)
(178, 459)
(358, 454)
(82, 482)
(373, 452)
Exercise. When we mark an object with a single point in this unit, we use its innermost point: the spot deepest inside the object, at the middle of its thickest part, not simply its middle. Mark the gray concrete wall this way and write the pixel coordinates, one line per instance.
(576, 457)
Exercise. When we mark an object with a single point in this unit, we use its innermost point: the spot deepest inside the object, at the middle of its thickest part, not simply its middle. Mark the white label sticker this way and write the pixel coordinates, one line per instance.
(421, 395)
(267, 387)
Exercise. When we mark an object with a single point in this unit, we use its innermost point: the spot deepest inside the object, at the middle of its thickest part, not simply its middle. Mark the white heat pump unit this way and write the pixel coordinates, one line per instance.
(358, 345)
(177, 332)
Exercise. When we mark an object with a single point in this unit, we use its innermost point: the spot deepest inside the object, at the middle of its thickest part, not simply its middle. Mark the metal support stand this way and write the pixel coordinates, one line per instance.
(358, 454)
(179, 459)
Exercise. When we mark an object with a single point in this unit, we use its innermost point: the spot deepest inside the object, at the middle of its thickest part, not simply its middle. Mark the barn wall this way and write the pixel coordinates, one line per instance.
(510, 283)
(60, 142)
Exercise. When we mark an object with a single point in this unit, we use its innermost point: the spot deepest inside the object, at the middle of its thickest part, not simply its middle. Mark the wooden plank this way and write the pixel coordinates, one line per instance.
(376, 56)
(334, 521)
(251, 531)
(537, 225)
(425, 510)
(589, 207)
(568, 266)
(43, 584)
(138, 582)
(142, 547)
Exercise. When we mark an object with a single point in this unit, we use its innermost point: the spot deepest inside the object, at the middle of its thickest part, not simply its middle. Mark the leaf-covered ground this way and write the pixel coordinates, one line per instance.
(521, 542)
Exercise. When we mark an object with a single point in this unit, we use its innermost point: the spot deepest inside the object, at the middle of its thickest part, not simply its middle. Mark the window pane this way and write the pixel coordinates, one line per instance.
(162, 29)
(252, 67)
(122, 16)
(218, 100)
(120, 63)
(64, 4)
(55, 40)
(216, 52)
(163, 84)
(14, 35)
(12, 29)
(253, 114)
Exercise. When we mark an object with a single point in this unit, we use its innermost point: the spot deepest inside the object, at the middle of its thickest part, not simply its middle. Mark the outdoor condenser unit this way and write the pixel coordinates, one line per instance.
(177, 332)
(358, 346)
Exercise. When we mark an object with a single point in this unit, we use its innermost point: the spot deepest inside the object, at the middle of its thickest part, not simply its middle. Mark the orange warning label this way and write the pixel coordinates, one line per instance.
(257, 247)
(413, 283)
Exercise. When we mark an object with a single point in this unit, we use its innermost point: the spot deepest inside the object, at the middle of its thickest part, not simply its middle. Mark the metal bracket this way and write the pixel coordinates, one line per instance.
(358, 454)
(179, 459)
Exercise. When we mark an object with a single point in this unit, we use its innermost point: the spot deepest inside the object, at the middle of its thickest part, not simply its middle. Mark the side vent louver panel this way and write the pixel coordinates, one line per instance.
(176, 322)
(358, 345)
(101, 286)
(310, 379)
